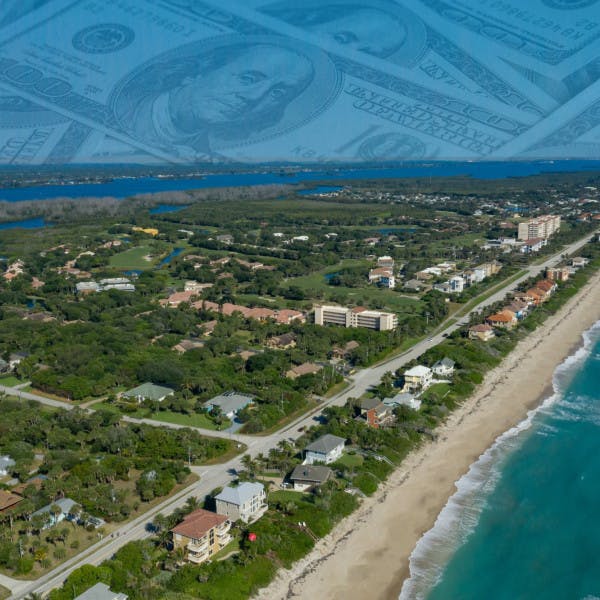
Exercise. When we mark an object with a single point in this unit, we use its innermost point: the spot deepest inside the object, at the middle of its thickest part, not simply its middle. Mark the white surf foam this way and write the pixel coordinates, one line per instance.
(459, 517)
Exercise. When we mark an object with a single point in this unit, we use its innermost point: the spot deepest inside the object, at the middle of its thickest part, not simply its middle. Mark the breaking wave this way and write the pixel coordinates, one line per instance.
(459, 517)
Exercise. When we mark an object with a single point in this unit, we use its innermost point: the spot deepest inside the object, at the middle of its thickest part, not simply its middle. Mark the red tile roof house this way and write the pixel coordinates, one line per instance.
(504, 319)
(482, 332)
(202, 534)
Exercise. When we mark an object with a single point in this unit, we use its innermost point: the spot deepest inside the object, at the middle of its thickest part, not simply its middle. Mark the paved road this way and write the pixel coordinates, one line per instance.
(219, 475)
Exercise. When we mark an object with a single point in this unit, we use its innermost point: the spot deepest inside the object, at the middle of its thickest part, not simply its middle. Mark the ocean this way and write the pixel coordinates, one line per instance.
(525, 520)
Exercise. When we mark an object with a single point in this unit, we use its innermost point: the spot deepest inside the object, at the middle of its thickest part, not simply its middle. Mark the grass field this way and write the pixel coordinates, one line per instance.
(10, 381)
(369, 295)
(133, 259)
(350, 460)
(285, 496)
(195, 420)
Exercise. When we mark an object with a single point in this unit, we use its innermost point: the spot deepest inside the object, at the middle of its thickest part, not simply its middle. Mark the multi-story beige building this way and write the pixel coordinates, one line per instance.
(540, 227)
(202, 534)
(355, 317)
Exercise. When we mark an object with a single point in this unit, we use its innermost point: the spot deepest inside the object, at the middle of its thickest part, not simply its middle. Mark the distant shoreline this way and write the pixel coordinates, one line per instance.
(367, 555)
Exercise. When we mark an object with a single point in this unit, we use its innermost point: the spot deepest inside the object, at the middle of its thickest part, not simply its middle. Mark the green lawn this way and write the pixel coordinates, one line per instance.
(195, 420)
(285, 496)
(350, 460)
(133, 258)
(166, 416)
(10, 381)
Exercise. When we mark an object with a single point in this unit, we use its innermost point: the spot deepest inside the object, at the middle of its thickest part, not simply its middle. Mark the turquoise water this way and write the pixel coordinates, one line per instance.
(525, 521)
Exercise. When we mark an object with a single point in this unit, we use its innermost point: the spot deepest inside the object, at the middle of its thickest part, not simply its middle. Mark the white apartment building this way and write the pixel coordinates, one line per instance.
(540, 227)
(355, 317)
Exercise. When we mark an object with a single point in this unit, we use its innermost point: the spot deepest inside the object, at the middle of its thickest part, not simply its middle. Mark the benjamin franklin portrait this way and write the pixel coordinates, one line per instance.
(228, 91)
(377, 27)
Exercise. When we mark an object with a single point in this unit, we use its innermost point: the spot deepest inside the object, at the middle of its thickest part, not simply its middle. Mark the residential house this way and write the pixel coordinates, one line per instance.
(533, 245)
(6, 465)
(375, 412)
(196, 286)
(100, 591)
(518, 307)
(208, 327)
(547, 285)
(481, 332)
(579, 262)
(65, 506)
(87, 287)
(537, 296)
(457, 284)
(202, 534)
(306, 477)
(230, 403)
(8, 500)
(287, 316)
(344, 351)
(306, 368)
(505, 319)
(177, 298)
(403, 399)
(247, 501)
(326, 449)
(148, 391)
(444, 367)
(186, 345)
(386, 262)
(417, 378)
(282, 342)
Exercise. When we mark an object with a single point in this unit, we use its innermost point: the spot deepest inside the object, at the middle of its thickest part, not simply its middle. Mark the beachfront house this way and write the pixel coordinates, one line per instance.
(403, 399)
(326, 449)
(482, 332)
(246, 501)
(100, 591)
(375, 412)
(444, 367)
(417, 378)
(148, 391)
(229, 403)
(306, 477)
(505, 319)
(201, 534)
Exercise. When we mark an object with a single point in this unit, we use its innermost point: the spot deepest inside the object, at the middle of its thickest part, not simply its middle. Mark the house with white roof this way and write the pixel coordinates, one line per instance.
(417, 378)
(403, 399)
(245, 502)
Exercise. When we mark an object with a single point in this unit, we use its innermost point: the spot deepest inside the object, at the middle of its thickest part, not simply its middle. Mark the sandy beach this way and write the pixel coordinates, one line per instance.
(367, 554)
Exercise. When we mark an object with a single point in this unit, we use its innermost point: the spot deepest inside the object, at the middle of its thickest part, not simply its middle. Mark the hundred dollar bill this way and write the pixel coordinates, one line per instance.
(401, 40)
(185, 81)
(572, 131)
(14, 10)
(31, 135)
(554, 36)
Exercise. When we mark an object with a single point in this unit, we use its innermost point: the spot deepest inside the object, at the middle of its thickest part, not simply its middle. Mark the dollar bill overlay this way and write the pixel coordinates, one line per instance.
(555, 37)
(187, 81)
(402, 40)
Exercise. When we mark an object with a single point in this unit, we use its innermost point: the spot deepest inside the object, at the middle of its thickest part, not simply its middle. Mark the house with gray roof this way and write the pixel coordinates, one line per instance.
(305, 477)
(148, 391)
(326, 449)
(403, 399)
(6, 465)
(246, 501)
(64, 504)
(444, 367)
(230, 403)
(100, 591)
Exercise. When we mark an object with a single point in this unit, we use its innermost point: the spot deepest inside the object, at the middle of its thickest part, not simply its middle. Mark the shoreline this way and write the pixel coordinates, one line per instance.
(367, 554)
